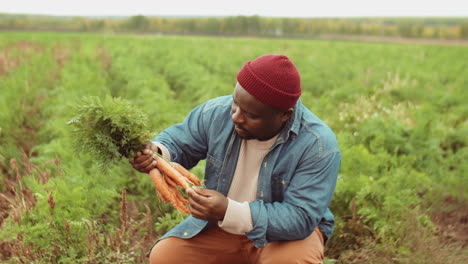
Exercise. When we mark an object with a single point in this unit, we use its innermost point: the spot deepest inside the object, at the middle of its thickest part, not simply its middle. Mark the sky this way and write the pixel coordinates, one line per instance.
(273, 8)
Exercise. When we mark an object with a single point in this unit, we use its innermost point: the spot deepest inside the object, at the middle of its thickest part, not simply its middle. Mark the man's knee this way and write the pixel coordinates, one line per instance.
(157, 256)
(152, 256)
(293, 260)
(308, 250)
(316, 258)
(163, 252)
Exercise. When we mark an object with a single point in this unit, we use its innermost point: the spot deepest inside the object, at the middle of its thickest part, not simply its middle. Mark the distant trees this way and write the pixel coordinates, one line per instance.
(464, 30)
(138, 23)
(440, 28)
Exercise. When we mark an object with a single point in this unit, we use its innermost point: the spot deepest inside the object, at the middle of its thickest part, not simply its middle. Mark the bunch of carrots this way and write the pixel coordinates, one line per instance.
(112, 128)
(166, 177)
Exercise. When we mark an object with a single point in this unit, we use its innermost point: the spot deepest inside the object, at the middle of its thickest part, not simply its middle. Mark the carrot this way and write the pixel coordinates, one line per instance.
(166, 178)
(161, 186)
(180, 197)
(163, 198)
(179, 205)
(171, 172)
(186, 173)
(180, 201)
(169, 181)
(165, 192)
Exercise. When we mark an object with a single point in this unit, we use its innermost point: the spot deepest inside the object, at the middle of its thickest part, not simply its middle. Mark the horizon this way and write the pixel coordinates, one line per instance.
(262, 8)
(223, 16)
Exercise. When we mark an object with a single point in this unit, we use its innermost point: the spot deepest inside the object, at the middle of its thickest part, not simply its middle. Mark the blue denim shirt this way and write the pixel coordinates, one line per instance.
(297, 177)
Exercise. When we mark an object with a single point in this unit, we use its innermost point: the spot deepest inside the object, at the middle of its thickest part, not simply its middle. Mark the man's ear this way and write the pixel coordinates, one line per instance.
(287, 114)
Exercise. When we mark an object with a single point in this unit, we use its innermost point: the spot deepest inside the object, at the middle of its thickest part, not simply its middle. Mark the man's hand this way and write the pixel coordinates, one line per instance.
(207, 204)
(144, 161)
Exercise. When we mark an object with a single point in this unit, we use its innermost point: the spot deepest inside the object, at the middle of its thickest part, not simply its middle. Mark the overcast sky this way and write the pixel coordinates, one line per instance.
(283, 8)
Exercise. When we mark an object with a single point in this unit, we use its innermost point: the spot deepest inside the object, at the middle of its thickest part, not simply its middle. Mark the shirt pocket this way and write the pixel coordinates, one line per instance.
(212, 172)
(279, 183)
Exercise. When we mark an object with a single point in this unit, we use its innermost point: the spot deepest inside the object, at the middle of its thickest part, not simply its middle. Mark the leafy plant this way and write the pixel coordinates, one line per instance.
(109, 129)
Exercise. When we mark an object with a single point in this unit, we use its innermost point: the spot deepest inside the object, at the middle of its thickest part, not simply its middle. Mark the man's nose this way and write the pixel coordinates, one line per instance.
(237, 116)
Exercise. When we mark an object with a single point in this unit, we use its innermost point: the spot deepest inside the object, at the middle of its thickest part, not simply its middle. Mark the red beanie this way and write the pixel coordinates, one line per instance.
(272, 79)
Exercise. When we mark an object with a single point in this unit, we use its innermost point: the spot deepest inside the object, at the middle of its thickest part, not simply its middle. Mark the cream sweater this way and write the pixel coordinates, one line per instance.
(238, 219)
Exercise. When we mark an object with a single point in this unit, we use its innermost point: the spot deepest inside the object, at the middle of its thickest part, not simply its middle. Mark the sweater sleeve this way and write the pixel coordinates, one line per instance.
(237, 219)
(164, 151)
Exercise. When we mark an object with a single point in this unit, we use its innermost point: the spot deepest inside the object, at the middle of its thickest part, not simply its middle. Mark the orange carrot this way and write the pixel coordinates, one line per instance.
(169, 181)
(180, 197)
(180, 201)
(161, 186)
(163, 198)
(166, 177)
(181, 207)
(186, 173)
(171, 172)
(165, 192)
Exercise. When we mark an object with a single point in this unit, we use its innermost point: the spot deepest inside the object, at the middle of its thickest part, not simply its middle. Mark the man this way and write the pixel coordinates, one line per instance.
(271, 170)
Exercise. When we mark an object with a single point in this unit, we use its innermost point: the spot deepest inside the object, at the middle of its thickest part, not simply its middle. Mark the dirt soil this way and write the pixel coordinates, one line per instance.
(453, 222)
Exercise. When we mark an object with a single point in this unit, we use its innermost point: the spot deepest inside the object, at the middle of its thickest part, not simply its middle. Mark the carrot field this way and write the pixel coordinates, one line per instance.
(400, 113)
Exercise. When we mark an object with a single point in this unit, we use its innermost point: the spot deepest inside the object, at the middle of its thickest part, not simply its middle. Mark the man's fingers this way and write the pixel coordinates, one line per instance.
(143, 158)
(196, 206)
(132, 159)
(196, 209)
(151, 166)
(145, 162)
(192, 194)
(194, 197)
(196, 213)
(201, 191)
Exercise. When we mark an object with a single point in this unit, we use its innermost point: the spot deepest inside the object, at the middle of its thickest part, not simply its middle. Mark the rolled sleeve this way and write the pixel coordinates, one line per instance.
(238, 219)
(164, 151)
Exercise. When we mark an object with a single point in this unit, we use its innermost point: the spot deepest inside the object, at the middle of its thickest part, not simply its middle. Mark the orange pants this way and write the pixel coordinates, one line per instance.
(213, 245)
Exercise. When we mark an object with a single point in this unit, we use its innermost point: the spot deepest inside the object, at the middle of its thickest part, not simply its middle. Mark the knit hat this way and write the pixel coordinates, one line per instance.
(272, 79)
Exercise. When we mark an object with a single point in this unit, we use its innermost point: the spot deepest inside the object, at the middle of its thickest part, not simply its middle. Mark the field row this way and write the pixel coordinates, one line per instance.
(399, 112)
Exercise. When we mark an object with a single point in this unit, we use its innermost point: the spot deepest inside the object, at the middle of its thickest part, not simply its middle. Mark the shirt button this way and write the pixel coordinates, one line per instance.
(185, 234)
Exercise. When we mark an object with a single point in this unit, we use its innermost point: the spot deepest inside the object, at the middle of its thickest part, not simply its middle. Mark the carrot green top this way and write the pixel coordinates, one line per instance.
(109, 129)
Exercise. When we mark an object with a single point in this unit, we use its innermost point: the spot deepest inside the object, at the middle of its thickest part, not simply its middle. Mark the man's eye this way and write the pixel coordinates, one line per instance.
(251, 116)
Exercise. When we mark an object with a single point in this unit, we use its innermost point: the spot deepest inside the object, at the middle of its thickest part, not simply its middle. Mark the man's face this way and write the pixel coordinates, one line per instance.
(254, 119)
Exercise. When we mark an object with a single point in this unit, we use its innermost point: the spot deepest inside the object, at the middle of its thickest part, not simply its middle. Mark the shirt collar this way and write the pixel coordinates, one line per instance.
(293, 124)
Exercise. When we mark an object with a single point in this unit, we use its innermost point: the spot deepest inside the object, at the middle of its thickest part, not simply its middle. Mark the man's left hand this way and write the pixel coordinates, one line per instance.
(207, 204)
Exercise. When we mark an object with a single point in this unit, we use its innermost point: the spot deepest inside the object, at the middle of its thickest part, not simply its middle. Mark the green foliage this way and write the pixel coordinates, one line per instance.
(110, 129)
(19, 103)
(399, 113)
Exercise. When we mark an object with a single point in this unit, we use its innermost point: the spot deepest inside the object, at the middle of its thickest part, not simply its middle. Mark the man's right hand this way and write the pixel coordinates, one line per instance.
(144, 161)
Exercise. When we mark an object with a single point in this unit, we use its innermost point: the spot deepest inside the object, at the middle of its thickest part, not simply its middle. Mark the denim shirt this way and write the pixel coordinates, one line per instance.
(297, 177)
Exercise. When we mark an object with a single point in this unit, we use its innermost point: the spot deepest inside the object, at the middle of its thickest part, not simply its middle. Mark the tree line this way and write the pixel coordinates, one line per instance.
(455, 28)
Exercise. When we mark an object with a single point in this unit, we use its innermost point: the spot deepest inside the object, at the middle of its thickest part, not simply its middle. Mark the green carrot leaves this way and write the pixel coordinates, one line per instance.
(109, 128)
